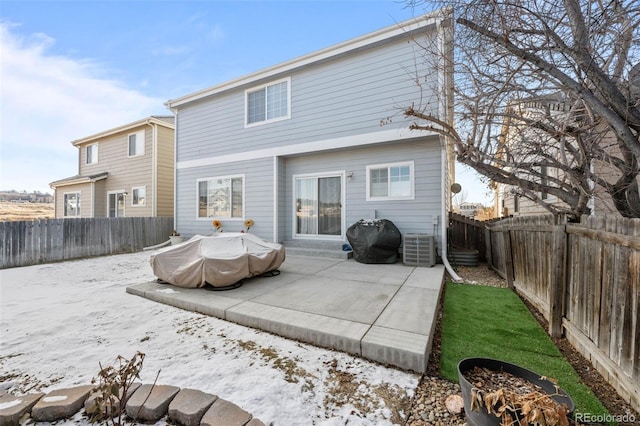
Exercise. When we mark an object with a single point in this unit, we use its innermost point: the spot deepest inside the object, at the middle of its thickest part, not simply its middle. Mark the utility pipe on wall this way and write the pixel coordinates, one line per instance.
(445, 83)
(445, 193)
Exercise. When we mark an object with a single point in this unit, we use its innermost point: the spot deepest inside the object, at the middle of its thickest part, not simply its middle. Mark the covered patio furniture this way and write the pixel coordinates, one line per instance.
(220, 260)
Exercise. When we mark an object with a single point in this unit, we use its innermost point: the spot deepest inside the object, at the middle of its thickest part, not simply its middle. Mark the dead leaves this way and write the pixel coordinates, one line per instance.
(514, 400)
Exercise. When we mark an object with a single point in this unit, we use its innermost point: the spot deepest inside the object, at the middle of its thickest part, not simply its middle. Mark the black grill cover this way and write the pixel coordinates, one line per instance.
(374, 241)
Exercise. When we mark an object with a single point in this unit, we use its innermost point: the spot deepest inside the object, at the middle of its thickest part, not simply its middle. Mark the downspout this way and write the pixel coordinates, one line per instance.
(276, 194)
(175, 170)
(445, 83)
(444, 191)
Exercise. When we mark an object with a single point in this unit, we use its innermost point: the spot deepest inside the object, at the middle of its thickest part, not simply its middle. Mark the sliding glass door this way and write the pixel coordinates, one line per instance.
(115, 204)
(318, 210)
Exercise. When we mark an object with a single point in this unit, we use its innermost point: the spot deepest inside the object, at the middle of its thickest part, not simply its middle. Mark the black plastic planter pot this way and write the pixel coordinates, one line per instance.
(480, 416)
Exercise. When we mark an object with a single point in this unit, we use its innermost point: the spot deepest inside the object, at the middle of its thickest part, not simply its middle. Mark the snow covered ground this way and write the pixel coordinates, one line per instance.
(59, 321)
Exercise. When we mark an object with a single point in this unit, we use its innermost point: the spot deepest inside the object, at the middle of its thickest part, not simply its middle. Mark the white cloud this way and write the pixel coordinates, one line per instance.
(200, 22)
(172, 51)
(216, 33)
(47, 101)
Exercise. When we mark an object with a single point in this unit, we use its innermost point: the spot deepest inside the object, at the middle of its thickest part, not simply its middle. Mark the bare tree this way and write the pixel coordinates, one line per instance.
(547, 98)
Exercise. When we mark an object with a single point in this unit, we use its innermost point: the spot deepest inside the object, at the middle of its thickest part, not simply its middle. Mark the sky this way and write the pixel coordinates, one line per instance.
(57, 332)
(71, 69)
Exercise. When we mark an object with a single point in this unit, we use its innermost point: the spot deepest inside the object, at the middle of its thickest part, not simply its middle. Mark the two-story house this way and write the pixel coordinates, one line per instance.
(124, 171)
(520, 137)
(308, 147)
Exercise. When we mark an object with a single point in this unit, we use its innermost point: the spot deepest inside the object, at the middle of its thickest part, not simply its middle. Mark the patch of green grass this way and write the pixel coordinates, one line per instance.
(489, 322)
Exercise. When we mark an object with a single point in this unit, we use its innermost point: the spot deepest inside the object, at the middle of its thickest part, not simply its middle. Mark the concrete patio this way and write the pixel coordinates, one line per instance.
(385, 313)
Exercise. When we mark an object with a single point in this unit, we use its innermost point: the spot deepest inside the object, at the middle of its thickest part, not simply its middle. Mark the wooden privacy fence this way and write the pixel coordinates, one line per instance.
(467, 233)
(25, 243)
(585, 278)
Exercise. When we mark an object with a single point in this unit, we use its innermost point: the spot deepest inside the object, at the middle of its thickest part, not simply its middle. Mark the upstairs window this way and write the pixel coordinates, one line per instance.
(92, 153)
(136, 144)
(221, 197)
(390, 181)
(270, 102)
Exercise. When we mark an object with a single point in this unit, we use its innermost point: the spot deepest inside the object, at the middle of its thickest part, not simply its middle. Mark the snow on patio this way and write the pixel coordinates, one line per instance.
(59, 321)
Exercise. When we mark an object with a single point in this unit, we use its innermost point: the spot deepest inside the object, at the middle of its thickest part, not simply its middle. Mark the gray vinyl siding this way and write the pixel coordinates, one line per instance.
(349, 95)
(410, 216)
(258, 198)
(359, 93)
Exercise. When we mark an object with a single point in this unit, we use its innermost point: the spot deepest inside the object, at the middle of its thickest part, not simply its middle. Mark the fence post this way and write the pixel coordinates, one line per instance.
(508, 258)
(487, 246)
(557, 284)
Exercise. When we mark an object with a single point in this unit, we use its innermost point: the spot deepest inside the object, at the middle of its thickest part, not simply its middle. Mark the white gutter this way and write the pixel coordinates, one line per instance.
(144, 121)
(445, 193)
(402, 29)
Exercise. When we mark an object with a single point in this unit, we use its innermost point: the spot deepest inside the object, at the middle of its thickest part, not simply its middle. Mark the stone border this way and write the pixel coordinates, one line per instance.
(148, 403)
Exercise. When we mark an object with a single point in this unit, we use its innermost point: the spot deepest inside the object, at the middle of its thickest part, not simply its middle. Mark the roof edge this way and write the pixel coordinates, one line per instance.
(406, 27)
(74, 180)
(145, 121)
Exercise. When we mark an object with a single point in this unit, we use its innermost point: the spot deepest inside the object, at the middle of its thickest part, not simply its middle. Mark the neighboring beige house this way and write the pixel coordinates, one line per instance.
(507, 200)
(125, 171)
(470, 209)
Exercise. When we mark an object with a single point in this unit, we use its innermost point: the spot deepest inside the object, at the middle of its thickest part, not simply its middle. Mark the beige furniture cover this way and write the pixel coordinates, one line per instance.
(220, 260)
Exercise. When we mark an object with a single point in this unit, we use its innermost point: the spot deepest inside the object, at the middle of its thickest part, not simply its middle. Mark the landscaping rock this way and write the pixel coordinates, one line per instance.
(90, 408)
(454, 404)
(189, 406)
(60, 404)
(12, 407)
(225, 413)
(255, 422)
(150, 402)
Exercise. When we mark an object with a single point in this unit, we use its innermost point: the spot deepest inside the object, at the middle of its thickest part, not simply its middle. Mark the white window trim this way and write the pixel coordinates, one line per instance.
(134, 188)
(86, 149)
(229, 219)
(64, 204)
(124, 206)
(264, 86)
(412, 196)
(139, 134)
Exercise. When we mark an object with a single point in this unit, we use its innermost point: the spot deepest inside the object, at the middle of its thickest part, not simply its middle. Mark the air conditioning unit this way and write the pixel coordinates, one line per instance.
(419, 250)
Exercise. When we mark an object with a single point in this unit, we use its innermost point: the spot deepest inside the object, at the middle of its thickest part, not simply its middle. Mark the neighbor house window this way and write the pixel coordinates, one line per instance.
(221, 197)
(72, 204)
(92, 153)
(136, 144)
(139, 196)
(390, 181)
(268, 103)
